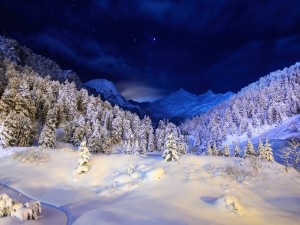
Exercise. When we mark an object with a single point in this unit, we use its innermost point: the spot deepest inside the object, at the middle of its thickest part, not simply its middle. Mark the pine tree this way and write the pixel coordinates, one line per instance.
(170, 153)
(151, 143)
(249, 150)
(237, 151)
(268, 151)
(48, 134)
(85, 156)
(215, 151)
(209, 149)
(261, 150)
(182, 146)
(226, 151)
(94, 141)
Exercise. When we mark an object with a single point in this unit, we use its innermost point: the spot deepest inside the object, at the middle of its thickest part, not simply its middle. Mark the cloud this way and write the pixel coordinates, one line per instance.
(139, 91)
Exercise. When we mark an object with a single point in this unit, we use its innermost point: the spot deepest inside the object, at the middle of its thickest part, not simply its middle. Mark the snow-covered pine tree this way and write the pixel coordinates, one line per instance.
(285, 154)
(85, 156)
(181, 144)
(151, 142)
(295, 152)
(48, 135)
(170, 153)
(215, 150)
(8, 127)
(249, 150)
(268, 151)
(209, 149)
(226, 151)
(105, 140)
(79, 130)
(116, 130)
(237, 151)
(261, 150)
(142, 140)
(94, 141)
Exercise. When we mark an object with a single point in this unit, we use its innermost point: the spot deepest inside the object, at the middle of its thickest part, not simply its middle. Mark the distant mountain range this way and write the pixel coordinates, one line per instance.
(175, 107)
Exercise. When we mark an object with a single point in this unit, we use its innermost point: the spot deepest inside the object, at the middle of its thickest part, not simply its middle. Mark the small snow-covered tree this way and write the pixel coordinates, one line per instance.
(268, 151)
(214, 149)
(249, 150)
(261, 150)
(285, 154)
(151, 143)
(85, 156)
(226, 151)
(182, 146)
(209, 149)
(237, 151)
(170, 153)
(131, 168)
(294, 144)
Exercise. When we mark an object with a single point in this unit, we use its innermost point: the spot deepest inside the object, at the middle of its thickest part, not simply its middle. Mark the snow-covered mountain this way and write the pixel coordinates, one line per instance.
(182, 105)
(23, 56)
(108, 91)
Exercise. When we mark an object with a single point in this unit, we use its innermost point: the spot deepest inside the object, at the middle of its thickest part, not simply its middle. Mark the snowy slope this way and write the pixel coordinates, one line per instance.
(194, 191)
(109, 92)
(278, 135)
(181, 105)
(21, 55)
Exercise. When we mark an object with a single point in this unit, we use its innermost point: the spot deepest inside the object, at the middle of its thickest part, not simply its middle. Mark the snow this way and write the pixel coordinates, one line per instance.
(197, 190)
(278, 135)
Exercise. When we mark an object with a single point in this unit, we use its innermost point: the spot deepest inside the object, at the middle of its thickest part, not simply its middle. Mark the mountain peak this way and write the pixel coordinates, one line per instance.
(209, 92)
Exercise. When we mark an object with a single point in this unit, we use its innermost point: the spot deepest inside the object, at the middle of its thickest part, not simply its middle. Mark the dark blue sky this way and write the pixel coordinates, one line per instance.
(150, 48)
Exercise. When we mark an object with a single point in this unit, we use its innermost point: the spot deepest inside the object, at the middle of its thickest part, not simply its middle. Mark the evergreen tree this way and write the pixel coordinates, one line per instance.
(268, 151)
(151, 142)
(237, 151)
(48, 134)
(249, 150)
(209, 150)
(182, 146)
(170, 153)
(215, 151)
(226, 151)
(261, 150)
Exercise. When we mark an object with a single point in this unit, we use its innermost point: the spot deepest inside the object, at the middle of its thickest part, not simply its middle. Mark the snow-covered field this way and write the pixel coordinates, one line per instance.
(193, 191)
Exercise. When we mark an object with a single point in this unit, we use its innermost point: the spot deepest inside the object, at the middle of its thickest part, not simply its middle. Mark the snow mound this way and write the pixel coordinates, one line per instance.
(154, 174)
(231, 203)
(123, 178)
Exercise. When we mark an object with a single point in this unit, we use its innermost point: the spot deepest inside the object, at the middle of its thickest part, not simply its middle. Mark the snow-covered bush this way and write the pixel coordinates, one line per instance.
(28, 211)
(36, 208)
(23, 214)
(31, 155)
(131, 168)
(170, 153)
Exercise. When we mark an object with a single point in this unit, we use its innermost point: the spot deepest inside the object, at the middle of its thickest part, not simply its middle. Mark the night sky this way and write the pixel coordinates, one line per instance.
(150, 48)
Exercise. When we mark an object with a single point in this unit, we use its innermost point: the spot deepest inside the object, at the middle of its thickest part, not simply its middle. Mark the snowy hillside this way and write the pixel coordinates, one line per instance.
(23, 56)
(209, 190)
(182, 105)
(254, 110)
(109, 92)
